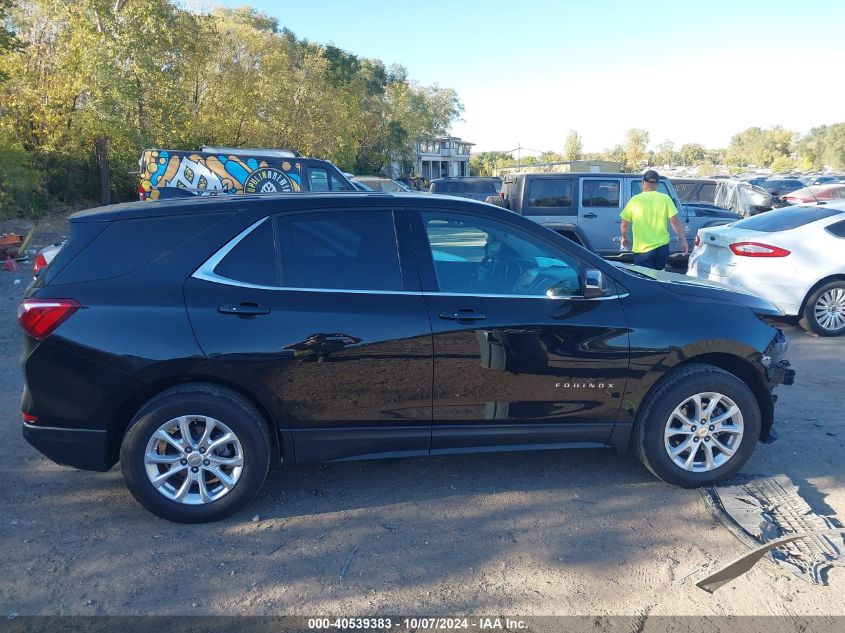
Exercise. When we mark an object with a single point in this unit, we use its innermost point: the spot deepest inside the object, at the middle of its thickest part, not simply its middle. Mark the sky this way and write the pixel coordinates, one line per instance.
(529, 71)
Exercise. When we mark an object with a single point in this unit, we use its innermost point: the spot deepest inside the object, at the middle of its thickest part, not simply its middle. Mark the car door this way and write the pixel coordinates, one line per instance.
(601, 204)
(320, 314)
(513, 367)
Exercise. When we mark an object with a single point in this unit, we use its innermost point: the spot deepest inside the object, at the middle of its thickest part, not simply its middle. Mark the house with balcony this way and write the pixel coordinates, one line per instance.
(443, 157)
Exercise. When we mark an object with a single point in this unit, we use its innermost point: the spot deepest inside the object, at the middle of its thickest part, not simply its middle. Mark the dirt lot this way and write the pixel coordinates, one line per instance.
(564, 532)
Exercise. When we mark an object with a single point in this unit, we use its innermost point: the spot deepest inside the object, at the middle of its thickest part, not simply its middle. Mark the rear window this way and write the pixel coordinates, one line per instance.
(785, 219)
(253, 260)
(837, 229)
(466, 186)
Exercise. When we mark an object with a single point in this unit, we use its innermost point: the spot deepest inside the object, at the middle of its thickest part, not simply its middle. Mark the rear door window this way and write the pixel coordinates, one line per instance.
(550, 196)
(600, 193)
(348, 250)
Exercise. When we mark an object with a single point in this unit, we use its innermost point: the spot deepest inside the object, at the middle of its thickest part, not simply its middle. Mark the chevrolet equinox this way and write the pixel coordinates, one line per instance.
(197, 340)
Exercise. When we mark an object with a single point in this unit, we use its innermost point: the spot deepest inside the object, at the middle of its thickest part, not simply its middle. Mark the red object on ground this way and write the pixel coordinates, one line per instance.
(10, 264)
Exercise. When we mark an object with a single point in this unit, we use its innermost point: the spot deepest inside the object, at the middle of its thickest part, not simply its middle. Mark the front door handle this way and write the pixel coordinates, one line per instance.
(462, 315)
(245, 309)
(589, 215)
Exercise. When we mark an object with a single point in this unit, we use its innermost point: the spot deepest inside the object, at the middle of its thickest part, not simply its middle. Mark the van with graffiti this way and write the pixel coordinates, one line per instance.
(169, 173)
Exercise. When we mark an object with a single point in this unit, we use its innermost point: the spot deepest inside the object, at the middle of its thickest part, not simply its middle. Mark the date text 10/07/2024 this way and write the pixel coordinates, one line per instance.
(375, 624)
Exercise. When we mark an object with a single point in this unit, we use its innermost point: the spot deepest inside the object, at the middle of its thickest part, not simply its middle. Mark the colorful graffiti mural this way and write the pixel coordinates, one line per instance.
(206, 174)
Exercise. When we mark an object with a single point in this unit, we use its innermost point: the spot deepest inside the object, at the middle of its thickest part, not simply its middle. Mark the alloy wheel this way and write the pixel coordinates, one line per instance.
(193, 459)
(703, 432)
(830, 309)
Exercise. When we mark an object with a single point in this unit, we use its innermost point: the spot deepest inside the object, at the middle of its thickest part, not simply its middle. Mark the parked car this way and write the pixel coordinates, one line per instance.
(585, 207)
(376, 183)
(210, 171)
(44, 257)
(475, 188)
(781, 186)
(794, 257)
(824, 180)
(197, 340)
(816, 193)
(696, 189)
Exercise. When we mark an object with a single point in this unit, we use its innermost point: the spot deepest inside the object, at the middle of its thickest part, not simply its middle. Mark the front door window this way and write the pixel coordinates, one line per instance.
(473, 255)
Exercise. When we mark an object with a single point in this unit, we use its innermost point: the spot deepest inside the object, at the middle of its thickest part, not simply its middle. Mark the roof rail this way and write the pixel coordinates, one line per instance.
(251, 151)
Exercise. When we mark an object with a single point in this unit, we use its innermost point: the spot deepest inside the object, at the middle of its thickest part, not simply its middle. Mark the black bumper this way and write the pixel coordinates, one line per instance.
(781, 374)
(86, 449)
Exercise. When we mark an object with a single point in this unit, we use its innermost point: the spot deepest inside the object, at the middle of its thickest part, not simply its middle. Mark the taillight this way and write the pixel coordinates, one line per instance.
(29, 418)
(40, 317)
(40, 262)
(756, 249)
(142, 193)
(697, 240)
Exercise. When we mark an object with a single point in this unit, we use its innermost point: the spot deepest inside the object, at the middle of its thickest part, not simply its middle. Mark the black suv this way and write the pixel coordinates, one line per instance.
(196, 340)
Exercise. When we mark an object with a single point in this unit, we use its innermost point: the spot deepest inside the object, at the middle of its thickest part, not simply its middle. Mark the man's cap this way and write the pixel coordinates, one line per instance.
(651, 176)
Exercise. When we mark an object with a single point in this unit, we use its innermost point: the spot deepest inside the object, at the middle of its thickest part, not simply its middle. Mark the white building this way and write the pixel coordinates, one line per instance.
(444, 157)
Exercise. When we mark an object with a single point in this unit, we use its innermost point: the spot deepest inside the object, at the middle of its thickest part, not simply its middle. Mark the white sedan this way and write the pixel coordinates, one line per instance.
(794, 257)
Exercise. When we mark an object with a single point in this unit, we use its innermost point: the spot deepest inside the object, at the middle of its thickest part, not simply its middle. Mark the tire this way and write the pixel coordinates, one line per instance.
(218, 480)
(815, 318)
(737, 434)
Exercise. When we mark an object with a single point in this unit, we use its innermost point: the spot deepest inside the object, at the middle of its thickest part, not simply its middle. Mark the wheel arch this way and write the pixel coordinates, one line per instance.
(736, 365)
(816, 286)
(282, 448)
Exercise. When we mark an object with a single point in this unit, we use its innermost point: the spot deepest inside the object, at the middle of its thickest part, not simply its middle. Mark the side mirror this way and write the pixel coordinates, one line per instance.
(593, 284)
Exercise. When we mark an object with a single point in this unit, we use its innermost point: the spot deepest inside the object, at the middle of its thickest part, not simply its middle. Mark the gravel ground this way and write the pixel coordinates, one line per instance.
(562, 532)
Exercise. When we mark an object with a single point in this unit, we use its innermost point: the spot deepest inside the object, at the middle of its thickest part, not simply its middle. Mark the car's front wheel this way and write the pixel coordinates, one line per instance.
(195, 453)
(698, 427)
(824, 311)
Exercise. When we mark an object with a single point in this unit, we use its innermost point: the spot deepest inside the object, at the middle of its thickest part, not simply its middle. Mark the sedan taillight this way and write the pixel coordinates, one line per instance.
(698, 240)
(756, 249)
(40, 318)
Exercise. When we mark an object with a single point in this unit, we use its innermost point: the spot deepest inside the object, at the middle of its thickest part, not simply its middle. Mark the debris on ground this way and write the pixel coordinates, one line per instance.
(760, 510)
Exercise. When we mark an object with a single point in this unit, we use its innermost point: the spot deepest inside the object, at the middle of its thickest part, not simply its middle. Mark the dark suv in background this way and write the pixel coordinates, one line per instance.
(474, 188)
(196, 340)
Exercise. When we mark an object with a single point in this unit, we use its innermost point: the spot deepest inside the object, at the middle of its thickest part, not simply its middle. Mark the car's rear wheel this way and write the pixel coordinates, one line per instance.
(698, 427)
(824, 310)
(195, 453)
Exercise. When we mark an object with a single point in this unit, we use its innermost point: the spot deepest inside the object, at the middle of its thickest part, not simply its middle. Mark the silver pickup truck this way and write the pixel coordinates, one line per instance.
(585, 207)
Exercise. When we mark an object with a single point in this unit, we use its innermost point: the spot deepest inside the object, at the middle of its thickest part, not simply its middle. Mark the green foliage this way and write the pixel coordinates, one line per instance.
(152, 74)
(21, 189)
(574, 147)
(635, 155)
(823, 146)
(759, 147)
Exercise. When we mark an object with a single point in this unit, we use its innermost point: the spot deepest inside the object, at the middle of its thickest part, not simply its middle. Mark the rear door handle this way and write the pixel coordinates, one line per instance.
(243, 309)
(462, 315)
(589, 215)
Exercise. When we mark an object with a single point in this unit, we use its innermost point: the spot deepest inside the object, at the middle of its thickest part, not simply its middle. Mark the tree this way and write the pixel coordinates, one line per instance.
(636, 141)
(8, 41)
(573, 148)
(691, 154)
(665, 154)
(759, 147)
